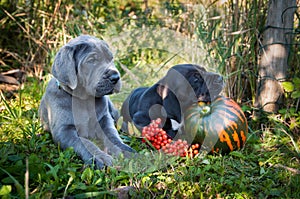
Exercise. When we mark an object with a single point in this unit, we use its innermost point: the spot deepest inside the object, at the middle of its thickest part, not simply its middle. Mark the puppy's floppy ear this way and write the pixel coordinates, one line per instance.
(176, 85)
(162, 91)
(63, 68)
(175, 82)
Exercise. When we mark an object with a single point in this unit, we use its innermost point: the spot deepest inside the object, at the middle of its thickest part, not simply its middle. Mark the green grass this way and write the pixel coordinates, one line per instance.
(268, 166)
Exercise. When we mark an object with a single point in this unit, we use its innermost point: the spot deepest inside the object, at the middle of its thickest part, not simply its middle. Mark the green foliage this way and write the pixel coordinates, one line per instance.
(293, 87)
(233, 43)
(290, 115)
(147, 38)
(266, 167)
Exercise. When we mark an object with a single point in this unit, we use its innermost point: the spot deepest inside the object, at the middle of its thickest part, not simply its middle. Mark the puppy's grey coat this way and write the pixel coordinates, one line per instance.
(75, 108)
(182, 86)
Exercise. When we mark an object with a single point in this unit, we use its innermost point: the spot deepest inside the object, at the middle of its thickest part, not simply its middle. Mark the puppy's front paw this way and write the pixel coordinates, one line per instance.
(121, 148)
(102, 160)
(129, 152)
(107, 159)
(98, 164)
(127, 148)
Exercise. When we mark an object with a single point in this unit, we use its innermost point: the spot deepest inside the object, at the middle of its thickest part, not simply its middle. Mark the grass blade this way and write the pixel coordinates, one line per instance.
(18, 186)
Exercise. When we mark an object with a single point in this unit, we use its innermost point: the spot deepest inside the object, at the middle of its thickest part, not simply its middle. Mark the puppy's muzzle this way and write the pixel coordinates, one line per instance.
(112, 75)
(218, 80)
(114, 78)
(113, 81)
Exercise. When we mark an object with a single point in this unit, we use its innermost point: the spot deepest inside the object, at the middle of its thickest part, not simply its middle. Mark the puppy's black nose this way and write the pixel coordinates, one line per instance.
(114, 77)
(218, 79)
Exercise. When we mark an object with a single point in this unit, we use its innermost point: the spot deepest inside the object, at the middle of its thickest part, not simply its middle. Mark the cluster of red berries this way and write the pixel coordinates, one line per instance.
(159, 139)
(192, 151)
(176, 148)
(156, 135)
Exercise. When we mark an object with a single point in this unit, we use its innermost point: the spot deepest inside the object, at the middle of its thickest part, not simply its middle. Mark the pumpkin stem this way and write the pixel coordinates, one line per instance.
(204, 110)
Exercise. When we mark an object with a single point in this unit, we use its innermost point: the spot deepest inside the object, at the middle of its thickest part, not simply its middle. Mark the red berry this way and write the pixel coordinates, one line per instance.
(158, 121)
(160, 140)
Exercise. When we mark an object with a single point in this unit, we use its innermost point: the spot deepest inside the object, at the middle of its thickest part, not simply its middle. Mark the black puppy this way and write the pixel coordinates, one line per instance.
(183, 85)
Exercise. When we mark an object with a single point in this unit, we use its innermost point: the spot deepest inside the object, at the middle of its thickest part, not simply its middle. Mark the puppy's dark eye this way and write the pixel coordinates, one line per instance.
(91, 60)
(198, 80)
(218, 79)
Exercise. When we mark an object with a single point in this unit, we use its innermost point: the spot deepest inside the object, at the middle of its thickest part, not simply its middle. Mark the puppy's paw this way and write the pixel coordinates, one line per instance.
(129, 152)
(97, 163)
(127, 148)
(120, 148)
(103, 160)
(100, 160)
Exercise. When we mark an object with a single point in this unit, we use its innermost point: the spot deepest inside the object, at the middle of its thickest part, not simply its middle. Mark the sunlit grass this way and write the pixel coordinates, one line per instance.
(267, 166)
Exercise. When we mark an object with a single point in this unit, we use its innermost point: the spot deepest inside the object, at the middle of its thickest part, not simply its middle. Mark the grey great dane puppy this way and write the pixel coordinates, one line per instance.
(75, 108)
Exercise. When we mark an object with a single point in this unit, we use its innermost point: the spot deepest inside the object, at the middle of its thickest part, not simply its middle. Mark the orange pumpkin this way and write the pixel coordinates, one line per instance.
(220, 126)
